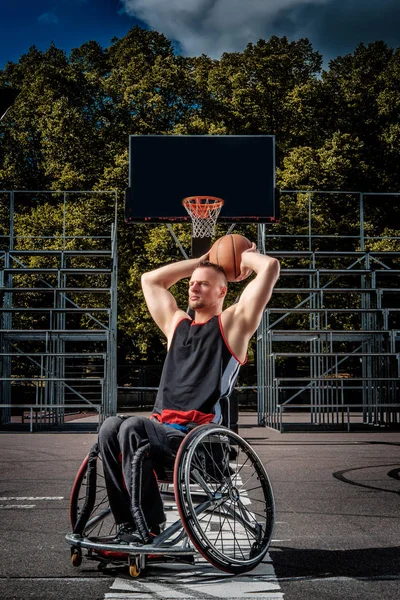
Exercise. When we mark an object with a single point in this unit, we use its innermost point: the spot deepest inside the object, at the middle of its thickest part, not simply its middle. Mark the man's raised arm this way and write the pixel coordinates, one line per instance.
(248, 311)
(160, 302)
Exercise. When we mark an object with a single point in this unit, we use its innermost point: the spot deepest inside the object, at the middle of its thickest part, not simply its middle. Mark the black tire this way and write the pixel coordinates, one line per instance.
(100, 522)
(224, 498)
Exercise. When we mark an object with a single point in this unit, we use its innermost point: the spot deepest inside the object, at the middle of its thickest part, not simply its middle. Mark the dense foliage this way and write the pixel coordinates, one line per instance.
(336, 129)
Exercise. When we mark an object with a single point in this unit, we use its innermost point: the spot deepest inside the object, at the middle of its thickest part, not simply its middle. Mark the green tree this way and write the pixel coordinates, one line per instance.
(359, 87)
(253, 88)
(69, 129)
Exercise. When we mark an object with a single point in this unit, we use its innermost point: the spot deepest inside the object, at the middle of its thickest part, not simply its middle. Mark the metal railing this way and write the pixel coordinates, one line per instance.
(58, 307)
(336, 344)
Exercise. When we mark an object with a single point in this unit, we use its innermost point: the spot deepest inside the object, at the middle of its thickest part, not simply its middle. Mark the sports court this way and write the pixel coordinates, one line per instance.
(336, 531)
(335, 491)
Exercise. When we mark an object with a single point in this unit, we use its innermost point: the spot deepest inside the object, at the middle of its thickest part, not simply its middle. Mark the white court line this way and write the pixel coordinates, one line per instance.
(191, 582)
(50, 579)
(20, 498)
(183, 582)
(8, 506)
(25, 499)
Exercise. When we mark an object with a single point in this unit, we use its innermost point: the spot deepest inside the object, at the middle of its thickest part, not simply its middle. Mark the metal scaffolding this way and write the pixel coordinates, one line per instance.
(58, 309)
(328, 347)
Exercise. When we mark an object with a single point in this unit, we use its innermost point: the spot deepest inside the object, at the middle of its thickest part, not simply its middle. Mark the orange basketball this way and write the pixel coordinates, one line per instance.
(227, 253)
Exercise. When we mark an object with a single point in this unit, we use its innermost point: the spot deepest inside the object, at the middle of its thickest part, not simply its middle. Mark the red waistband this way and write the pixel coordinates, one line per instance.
(182, 417)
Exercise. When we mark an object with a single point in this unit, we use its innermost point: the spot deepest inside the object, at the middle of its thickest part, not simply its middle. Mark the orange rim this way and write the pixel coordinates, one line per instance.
(201, 206)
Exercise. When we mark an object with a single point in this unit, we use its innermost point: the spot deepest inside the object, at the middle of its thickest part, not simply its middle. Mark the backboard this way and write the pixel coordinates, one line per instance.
(7, 98)
(165, 169)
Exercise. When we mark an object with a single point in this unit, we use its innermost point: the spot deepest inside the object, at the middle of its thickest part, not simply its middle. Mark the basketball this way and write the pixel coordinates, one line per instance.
(227, 253)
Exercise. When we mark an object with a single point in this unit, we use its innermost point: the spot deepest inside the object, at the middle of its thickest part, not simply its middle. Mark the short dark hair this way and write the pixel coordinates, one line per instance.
(211, 265)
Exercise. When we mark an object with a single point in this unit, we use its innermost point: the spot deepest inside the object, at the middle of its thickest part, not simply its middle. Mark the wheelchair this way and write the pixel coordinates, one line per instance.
(220, 490)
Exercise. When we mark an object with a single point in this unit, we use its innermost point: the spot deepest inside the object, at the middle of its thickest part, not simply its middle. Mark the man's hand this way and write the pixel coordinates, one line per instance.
(205, 257)
(246, 271)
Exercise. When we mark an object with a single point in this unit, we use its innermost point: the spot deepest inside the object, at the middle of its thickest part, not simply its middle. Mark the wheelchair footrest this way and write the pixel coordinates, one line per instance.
(107, 545)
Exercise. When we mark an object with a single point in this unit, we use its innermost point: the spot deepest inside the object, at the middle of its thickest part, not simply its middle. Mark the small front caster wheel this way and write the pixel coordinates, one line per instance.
(76, 557)
(134, 570)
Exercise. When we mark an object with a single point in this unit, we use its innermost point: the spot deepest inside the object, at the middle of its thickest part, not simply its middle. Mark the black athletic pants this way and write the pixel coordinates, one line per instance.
(123, 436)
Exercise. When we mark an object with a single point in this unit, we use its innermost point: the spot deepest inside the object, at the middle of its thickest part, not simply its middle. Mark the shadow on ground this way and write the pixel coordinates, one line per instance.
(377, 563)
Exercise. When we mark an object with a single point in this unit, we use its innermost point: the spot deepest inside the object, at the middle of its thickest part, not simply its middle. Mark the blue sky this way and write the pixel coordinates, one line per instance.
(212, 27)
(69, 23)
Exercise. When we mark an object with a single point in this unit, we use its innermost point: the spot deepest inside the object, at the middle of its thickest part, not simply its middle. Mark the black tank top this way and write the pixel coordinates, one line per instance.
(199, 371)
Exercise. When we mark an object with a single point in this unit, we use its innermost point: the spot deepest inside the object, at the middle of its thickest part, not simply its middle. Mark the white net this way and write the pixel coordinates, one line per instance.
(203, 211)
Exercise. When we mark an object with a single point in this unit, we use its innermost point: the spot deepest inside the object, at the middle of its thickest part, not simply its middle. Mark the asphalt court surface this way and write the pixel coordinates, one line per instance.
(336, 535)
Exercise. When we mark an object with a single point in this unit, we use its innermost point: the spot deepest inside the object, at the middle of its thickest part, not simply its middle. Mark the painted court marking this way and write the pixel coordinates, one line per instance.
(200, 581)
(9, 506)
(25, 499)
(6, 498)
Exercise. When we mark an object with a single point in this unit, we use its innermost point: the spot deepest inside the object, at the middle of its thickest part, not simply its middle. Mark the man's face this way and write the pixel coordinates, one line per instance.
(206, 288)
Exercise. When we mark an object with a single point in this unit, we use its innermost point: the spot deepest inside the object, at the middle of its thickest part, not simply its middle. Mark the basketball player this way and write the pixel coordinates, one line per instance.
(202, 363)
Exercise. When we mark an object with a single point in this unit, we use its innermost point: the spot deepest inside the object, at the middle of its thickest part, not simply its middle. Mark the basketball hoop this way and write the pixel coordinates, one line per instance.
(203, 211)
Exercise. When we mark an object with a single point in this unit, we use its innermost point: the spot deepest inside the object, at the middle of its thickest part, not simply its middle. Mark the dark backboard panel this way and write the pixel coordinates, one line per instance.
(164, 169)
(7, 98)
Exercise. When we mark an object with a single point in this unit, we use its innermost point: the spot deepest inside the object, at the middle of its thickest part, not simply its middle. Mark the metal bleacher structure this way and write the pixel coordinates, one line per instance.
(328, 348)
(58, 309)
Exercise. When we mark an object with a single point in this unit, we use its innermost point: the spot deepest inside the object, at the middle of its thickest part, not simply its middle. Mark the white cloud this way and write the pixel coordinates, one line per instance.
(48, 18)
(216, 26)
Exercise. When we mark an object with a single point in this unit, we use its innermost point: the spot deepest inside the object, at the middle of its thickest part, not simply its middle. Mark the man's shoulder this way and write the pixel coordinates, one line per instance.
(228, 316)
(229, 311)
(178, 316)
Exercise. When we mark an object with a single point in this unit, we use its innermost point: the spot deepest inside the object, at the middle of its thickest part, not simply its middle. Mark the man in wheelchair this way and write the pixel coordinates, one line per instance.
(202, 363)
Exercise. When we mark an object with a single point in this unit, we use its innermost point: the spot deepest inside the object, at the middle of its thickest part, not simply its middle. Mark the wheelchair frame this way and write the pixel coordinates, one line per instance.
(224, 500)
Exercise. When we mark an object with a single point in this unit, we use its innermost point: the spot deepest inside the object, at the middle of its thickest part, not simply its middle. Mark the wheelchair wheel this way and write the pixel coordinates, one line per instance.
(224, 498)
(100, 521)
